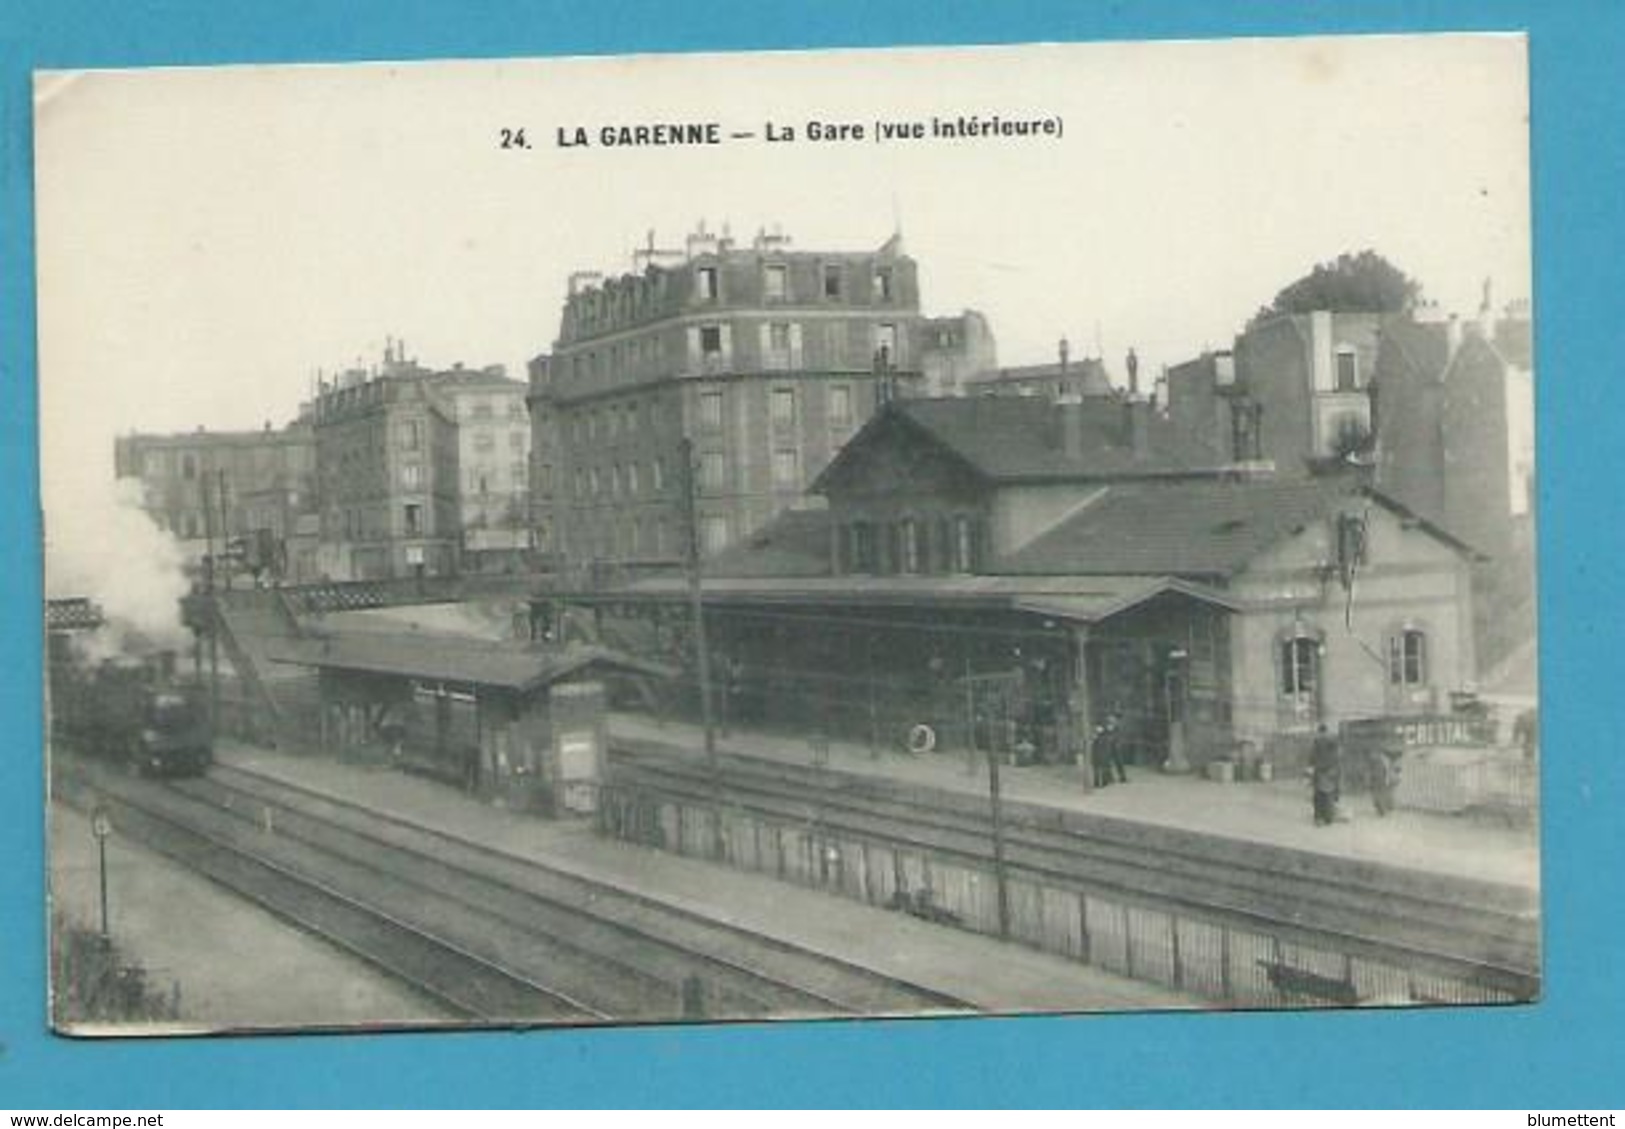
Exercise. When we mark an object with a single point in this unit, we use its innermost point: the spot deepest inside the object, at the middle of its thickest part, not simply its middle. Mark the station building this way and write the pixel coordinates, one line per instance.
(1010, 571)
(515, 725)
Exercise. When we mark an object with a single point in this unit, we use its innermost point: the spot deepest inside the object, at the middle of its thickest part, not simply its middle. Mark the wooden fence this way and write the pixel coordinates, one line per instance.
(1178, 948)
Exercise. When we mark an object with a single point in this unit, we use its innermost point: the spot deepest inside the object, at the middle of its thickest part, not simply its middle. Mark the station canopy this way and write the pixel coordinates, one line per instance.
(429, 658)
(1081, 599)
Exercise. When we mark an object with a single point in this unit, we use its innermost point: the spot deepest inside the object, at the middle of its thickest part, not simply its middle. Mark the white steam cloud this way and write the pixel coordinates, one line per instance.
(104, 546)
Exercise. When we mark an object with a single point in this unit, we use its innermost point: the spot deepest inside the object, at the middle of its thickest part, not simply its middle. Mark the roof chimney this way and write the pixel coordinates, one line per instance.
(1071, 412)
(1132, 363)
(1137, 426)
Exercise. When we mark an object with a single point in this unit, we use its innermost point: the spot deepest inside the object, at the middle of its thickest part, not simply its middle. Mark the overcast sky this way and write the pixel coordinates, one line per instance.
(210, 238)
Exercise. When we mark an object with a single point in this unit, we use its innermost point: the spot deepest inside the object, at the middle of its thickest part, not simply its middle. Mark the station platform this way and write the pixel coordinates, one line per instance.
(993, 976)
(1277, 813)
(188, 935)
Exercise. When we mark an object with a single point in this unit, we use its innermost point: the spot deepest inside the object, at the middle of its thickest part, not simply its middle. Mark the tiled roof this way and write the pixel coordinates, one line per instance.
(1187, 529)
(1005, 438)
(796, 543)
(439, 659)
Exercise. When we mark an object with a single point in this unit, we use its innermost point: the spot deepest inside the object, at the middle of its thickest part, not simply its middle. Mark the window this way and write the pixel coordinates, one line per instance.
(411, 435)
(786, 469)
(1246, 430)
(1408, 658)
(615, 478)
(784, 407)
(832, 281)
(188, 466)
(840, 405)
(516, 440)
(544, 478)
(966, 536)
(659, 474)
(706, 279)
(632, 478)
(482, 409)
(711, 340)
(412, 476)
(516, 409)
(713, 470)
(1300, 676)
(414, 519)
(713, 534)
(581, 483)
(778, 337)
(711, 411)
(909, 546)
(593, 482)
(774, 283)
(484, 441)
(1347, 370)
(863, 547)
(883, 284)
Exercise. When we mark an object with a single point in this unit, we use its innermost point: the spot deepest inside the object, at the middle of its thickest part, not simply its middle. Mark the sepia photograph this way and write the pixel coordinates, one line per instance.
(789, 535)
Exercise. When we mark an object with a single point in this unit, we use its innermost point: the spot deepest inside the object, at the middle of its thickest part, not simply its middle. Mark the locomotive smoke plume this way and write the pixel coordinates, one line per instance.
(107, 548)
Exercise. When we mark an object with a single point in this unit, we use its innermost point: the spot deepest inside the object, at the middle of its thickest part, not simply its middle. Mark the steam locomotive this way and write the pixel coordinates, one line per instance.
(132, 712)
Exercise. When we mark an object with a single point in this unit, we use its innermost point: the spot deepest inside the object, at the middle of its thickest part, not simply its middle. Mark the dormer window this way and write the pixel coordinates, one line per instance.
(775, 282)
(705, 279)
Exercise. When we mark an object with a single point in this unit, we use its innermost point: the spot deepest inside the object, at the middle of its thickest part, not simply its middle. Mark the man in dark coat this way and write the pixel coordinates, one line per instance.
(1105, 752)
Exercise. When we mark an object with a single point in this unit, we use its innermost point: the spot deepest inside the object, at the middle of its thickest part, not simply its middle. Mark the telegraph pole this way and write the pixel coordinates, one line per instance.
(213, 612)
(691, 541)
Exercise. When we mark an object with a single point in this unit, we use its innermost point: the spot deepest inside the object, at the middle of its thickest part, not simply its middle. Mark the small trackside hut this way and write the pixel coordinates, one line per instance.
(522, 728)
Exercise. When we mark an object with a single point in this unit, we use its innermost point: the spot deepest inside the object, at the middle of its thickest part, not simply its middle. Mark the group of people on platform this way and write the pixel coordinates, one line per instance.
(1326, 778)
(1107, 754)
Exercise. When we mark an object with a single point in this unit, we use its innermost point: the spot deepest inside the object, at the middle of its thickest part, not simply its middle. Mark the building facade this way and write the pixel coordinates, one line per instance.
(1435, 411)
(1295, 391)
(763, 358)
(243, 491)
(494, 466)
(387, 469)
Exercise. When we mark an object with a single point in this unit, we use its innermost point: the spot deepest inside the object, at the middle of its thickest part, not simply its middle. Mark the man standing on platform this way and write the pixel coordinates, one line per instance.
(1105, 751)
(1326, 776)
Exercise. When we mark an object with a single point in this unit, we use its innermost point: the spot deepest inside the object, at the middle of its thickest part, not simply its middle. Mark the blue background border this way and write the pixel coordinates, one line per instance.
(1556, 1054)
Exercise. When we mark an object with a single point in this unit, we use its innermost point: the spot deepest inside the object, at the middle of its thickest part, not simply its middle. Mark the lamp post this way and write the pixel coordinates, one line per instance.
(101, 826)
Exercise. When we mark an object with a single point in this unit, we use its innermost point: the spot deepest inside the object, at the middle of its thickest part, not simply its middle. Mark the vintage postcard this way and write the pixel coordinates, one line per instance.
(781, 536)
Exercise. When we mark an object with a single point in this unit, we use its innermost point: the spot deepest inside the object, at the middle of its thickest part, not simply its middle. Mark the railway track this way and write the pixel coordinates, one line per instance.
(459, 984)
(617, 954)
(1452, 928)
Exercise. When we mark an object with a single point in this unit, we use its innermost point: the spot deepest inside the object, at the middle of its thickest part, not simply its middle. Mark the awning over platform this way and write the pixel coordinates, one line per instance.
(436, 659)
(1083, 599)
